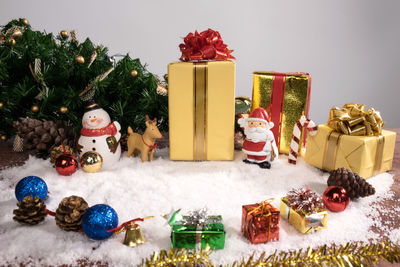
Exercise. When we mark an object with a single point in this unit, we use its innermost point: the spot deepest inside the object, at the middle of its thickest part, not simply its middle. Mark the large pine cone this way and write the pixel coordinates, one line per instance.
(41, 136)
(30, 211)
(352, 182)
(69, 213)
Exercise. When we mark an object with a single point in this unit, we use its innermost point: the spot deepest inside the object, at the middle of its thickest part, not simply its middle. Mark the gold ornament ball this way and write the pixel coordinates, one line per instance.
(25, 22)
(134, 73)
(80, 59)
(166, 77)
(1, 105)
(12, 42)
(17, 33)
(35, 108)
(63, 110)
(64, 33)
(3, 138)
(91, 161)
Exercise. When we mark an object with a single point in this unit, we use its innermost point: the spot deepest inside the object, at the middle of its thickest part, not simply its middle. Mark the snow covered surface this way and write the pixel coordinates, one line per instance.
(136, 189)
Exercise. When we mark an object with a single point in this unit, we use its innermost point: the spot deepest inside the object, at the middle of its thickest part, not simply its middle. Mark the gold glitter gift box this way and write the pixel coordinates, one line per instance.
(201, 103)
(285, 96)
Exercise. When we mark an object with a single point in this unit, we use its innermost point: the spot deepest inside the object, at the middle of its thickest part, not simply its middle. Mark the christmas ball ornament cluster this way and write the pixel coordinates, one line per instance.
(31, 186)
(73, 213)
(336, 198)
(354, 185)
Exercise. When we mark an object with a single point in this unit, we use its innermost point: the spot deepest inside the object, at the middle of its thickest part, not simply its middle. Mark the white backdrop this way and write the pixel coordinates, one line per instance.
(351, 48)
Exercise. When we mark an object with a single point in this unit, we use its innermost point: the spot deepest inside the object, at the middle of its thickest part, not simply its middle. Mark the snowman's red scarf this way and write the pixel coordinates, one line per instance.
(108, 130)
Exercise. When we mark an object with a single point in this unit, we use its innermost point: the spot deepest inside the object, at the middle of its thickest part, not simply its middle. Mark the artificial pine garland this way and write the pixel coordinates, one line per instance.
(41, 77)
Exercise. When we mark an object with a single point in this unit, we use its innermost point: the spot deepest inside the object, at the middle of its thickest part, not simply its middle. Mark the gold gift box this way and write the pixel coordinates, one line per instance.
(286, 96)
(304, 223)
(365, 155)
(201, 103)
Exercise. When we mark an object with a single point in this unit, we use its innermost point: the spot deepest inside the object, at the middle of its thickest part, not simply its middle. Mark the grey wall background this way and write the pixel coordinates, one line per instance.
(351, 48)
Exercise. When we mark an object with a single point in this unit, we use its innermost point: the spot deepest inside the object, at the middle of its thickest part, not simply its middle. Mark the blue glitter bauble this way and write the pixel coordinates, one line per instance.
(97, 220)
(31, 185)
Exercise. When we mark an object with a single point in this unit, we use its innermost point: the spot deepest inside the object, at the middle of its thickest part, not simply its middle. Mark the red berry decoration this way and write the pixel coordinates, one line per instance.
(66, 164)
(336, 198)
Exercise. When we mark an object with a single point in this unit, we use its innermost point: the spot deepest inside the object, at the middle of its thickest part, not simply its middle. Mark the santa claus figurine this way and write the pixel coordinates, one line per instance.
(259, 144)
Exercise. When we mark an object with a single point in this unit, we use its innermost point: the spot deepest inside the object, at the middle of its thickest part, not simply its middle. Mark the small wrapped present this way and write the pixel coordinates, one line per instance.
(260, 222)
(197, 230)
(285, 96)
(201, 102)
(353, 139)
(305, 210)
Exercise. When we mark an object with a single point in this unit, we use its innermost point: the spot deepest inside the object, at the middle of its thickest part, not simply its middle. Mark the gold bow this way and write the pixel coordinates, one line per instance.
(352, 119)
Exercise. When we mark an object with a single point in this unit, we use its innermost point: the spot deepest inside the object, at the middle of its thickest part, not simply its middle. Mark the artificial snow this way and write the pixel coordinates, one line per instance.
(136, 189)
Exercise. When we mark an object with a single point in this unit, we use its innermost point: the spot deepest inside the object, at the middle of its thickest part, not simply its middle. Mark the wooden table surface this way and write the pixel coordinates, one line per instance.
(9, 158)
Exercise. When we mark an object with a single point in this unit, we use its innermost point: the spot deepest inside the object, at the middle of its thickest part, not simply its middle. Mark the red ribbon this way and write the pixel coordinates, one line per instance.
(207, 45)
(116, 229)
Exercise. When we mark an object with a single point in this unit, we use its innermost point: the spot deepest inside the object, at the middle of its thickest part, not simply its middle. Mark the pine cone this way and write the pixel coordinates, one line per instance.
(30, 211)
(352, 182)
(69, 213)
(41, 136)
(58, 151)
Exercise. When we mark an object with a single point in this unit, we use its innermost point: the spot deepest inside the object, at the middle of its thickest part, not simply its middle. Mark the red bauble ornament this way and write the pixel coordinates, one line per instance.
(66, 164)
(336, 198)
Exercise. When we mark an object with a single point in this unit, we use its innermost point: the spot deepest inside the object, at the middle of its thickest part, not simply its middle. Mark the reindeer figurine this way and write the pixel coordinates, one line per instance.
(145, 144)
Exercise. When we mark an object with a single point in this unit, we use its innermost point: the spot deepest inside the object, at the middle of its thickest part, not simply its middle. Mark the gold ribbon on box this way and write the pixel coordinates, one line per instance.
(200, 109)
(352, 119)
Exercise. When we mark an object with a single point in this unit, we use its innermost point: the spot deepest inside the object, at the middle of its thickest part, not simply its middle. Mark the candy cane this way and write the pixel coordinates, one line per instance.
(310, 126)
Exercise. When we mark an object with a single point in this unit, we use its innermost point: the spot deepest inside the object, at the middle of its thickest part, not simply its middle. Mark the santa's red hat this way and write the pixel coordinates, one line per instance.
(258, 114)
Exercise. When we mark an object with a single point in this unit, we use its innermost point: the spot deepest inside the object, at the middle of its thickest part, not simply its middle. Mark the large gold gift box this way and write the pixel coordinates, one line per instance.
(201, 103)
(285, 96)
(365, 155)
(305, 224)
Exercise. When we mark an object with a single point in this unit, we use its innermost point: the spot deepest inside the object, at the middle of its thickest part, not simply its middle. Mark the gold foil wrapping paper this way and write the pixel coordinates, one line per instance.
(285, 101)
(304, 223)
(201, 102)
(365, 155)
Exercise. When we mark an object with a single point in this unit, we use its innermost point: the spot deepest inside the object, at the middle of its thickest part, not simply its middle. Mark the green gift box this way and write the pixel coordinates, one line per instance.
(195, 236)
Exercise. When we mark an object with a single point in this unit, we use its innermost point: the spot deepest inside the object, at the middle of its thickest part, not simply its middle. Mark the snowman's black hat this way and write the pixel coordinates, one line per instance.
(91, 105)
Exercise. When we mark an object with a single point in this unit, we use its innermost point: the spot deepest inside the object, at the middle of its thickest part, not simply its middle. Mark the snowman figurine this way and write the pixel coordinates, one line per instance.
(99, 134)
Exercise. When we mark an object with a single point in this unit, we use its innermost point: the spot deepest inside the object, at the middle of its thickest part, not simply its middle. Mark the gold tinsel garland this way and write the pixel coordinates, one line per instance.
(349, 254)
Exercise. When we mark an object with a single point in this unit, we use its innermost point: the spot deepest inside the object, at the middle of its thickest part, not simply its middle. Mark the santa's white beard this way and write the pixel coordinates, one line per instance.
(256, 134)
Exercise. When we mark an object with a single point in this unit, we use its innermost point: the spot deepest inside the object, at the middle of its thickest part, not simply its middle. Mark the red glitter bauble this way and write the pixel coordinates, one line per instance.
(336, 198)
(66, 164)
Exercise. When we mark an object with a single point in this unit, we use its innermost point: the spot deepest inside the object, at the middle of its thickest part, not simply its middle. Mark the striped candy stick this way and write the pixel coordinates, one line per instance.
(309, 126)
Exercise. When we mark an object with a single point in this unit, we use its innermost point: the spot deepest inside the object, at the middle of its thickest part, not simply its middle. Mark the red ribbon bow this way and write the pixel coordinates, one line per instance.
(207, 45)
